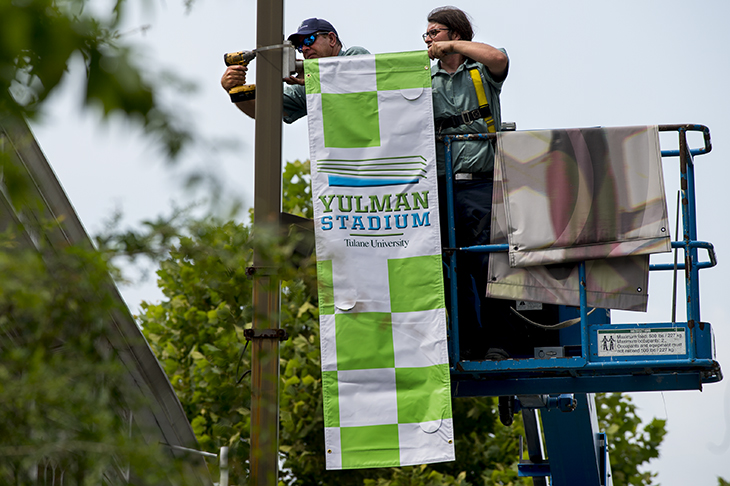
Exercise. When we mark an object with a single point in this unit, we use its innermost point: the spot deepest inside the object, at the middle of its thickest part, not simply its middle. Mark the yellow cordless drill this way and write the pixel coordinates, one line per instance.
(242, 58)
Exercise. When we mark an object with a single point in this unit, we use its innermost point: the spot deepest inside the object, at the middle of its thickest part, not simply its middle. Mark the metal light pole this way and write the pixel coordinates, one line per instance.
(267, 207)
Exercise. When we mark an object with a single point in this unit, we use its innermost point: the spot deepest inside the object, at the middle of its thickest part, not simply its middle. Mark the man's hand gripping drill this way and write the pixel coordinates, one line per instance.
(234, 79)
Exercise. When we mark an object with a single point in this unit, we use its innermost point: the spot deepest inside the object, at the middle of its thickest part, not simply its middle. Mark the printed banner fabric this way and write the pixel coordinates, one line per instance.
(583, 193)
(385, 371)
(564, 196)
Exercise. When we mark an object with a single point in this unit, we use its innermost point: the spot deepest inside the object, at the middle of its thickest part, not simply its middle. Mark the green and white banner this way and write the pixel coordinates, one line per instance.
(385, 368)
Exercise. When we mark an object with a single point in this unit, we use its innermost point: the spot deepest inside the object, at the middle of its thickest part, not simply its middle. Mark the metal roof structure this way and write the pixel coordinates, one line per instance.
(163, 417)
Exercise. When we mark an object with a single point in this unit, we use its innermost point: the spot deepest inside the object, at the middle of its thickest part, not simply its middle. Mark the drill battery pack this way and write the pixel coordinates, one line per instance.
(242, 93)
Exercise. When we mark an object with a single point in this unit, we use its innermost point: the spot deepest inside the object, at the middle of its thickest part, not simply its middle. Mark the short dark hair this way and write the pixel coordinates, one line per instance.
(455, 19)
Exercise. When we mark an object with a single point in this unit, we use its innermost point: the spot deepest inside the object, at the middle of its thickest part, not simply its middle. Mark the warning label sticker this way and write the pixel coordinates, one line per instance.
(642, 342)
(523, 305)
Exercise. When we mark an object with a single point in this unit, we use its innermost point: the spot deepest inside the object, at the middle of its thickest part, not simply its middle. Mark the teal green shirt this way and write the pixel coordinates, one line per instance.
(454, 94)
(295, 95)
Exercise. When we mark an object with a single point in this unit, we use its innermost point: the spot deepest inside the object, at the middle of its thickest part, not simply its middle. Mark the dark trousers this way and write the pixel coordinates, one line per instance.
(485, 323)
(478, 317)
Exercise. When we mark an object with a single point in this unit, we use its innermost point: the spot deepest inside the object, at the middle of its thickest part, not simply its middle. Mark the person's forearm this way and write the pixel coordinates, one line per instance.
(248, 107)
(494, 59)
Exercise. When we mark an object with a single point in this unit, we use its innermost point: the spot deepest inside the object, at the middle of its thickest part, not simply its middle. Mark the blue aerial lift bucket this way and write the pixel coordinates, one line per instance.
(578, 359)
(558, 371)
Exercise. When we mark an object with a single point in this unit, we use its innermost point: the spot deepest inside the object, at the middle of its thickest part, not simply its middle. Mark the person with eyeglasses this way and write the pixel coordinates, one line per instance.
(315, 38)
(466, 83)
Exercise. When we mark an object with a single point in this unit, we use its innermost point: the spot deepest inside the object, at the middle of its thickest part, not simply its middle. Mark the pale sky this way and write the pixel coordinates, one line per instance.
(573, 64)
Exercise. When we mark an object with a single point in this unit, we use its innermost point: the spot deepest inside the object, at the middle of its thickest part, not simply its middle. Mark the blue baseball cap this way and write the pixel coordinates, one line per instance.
(311, 26)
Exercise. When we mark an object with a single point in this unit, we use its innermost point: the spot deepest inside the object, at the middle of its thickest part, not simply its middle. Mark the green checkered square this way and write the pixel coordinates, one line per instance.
(311, 75)
(403, 71)
(331, 393)
(370, 446)
(416, 284)
(351, 120)
(364, 341)
(325, 287)
(423, 394)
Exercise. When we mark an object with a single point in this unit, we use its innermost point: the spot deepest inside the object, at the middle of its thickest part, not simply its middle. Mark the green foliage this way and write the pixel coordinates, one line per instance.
(629, 445)
(487, 452)
(64, 394)
(39, 39)
(297, 189)
(196, 333)
(722, 482)
(67, 402)
(417, 475)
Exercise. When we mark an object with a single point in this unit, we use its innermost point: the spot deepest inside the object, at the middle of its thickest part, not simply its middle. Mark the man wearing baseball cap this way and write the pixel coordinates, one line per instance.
(314, 38)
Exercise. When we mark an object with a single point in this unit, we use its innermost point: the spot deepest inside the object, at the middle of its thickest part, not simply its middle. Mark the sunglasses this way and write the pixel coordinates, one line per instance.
(433, 33)
(309, 40)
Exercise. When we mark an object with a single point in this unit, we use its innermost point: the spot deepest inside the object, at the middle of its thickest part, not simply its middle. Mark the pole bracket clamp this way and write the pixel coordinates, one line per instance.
(261, 271)
(279, 334)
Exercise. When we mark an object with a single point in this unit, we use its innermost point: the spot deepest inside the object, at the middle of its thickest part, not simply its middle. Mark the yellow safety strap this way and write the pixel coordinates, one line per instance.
(482, 97)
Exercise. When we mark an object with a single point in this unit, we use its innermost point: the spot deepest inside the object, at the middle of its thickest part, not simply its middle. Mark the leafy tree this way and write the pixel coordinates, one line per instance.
(297, 189)
(64, 395)
(629, 445)
(38, 40)
(62, 390)
(197, 333)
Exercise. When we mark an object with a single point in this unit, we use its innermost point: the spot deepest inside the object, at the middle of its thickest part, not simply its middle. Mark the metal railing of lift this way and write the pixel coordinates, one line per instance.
(689, 243)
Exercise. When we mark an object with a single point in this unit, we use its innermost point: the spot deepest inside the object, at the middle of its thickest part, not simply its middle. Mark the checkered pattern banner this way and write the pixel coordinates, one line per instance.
(385, 369)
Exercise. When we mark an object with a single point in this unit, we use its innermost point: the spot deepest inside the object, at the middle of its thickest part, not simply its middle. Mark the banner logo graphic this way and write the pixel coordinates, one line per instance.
(383, 172)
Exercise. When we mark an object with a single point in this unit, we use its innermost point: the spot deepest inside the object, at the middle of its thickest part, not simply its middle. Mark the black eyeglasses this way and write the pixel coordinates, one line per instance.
(309, 40)
(433, 33)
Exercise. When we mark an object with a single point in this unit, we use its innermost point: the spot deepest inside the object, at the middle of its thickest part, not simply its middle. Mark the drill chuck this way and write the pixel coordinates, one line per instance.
(241, 57)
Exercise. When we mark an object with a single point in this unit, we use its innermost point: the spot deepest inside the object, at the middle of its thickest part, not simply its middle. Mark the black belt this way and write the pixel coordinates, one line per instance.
(471, 176)
(464, 118)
